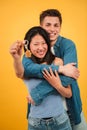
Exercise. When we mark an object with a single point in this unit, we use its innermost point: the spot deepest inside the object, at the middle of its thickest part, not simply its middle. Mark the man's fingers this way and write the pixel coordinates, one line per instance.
(28, 99)
(73, 63)
(76, 76)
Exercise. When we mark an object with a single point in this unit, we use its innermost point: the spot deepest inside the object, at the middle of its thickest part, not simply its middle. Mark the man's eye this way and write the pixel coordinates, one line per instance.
(47, 24)
(57, 25)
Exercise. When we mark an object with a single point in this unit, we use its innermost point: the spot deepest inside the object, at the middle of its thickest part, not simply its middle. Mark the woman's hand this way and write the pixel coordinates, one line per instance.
(52, 77)
(54, 80)
(16, 52)
(16, 49)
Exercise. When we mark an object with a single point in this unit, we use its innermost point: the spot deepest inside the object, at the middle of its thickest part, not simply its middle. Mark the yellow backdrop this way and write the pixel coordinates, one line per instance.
(16, 17)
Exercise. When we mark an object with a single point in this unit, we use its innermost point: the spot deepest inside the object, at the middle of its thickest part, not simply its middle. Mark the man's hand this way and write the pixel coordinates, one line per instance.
(69, 70)
(58, 61)
(30, 100)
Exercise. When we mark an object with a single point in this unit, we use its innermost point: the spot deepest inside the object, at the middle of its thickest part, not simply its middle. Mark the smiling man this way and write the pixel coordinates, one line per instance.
(51, 21)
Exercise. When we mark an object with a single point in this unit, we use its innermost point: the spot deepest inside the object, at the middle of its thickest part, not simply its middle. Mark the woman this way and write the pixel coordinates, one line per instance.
(50, 113)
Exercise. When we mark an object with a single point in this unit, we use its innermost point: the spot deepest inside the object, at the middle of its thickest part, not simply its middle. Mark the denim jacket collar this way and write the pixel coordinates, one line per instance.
(57, 44)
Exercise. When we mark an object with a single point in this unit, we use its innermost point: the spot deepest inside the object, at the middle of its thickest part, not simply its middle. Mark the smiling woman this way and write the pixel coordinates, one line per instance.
(43, 116)
(38, 46)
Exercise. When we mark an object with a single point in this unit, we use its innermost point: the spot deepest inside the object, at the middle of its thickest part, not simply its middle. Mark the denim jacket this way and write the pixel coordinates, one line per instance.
(65, 49)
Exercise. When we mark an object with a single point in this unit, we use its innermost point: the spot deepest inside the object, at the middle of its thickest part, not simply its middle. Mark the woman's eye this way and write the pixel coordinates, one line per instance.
(44, 43)
(35, 44)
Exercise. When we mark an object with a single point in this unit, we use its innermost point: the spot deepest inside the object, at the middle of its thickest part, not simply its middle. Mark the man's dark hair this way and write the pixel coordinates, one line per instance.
(50, 12)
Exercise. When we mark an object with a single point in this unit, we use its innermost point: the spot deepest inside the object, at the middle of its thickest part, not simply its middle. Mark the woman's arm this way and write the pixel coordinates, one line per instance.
(16, 53)
(26, 68)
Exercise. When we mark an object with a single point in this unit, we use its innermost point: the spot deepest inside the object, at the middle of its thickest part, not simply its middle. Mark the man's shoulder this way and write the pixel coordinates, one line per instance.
(66, 40)
(63, 43)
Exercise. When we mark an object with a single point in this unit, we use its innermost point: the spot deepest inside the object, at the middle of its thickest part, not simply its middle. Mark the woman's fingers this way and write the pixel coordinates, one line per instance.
(46, 73)
(51, 72)
(56, 73)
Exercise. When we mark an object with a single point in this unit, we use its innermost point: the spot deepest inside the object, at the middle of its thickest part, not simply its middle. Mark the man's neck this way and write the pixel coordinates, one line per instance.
(53, 42)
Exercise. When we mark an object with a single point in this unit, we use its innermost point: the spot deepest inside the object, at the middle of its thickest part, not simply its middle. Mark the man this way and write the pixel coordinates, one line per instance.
(51, 21)
(52, 24)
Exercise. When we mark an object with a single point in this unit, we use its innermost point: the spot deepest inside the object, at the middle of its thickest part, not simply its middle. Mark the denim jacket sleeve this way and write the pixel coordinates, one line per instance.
(43, 90)
(69, 55)
(34, 70)
(68, 51)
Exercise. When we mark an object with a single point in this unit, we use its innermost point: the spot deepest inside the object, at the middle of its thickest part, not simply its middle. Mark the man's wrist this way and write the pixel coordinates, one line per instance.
(60, 70)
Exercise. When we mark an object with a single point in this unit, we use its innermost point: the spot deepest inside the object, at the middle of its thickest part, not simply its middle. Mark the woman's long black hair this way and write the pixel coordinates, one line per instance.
(49, 57)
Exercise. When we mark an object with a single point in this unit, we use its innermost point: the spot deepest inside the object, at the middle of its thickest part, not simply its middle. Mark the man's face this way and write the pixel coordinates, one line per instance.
(52, 26)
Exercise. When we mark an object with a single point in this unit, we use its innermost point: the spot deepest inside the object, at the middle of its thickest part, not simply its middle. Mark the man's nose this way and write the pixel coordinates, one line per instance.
(52, 28)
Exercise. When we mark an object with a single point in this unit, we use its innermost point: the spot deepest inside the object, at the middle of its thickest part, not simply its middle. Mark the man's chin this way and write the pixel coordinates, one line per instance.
(53, 41)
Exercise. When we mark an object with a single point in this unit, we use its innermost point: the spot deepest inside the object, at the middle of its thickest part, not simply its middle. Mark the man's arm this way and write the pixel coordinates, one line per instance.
(35, 70)
(69, 55)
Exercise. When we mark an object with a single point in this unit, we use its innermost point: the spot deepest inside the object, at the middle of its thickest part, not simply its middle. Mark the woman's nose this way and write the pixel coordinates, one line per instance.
(41, 47)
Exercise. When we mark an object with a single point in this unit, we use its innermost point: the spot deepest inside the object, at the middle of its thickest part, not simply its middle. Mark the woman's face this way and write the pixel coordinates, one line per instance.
(38, 46)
